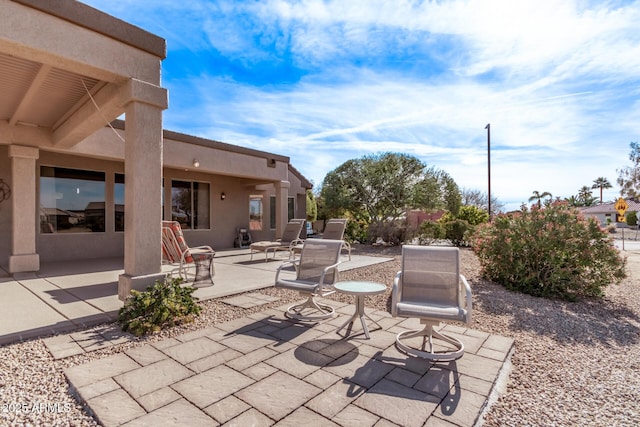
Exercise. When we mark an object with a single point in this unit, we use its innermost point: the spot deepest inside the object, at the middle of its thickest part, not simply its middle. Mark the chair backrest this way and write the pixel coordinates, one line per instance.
(430, 274)
(173, 242)
(292, 231)
(334, 229)
(316, 255)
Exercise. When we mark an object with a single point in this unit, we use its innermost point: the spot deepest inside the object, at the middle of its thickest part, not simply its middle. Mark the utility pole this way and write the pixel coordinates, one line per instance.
(488, 128)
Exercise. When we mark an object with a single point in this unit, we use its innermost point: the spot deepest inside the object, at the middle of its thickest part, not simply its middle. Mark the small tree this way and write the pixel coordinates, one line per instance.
(629, 177)
(378, 189)
(632, 218)
(479, 199)
(312, 207)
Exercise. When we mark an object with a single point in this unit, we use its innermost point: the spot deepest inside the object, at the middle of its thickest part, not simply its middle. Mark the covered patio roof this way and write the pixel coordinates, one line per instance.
(58, 90)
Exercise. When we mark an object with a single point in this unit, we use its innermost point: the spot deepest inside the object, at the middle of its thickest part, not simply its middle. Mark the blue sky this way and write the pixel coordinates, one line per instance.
(327, 81)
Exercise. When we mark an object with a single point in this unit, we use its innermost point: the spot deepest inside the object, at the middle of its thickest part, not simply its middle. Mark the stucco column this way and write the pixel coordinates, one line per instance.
(282, 198)
(143, 179)
(23, 208)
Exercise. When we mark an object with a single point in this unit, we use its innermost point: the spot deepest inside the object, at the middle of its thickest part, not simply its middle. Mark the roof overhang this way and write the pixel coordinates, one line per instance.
(75, 74)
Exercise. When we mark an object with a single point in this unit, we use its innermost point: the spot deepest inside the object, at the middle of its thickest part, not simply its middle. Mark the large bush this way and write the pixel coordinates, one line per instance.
(550, 252)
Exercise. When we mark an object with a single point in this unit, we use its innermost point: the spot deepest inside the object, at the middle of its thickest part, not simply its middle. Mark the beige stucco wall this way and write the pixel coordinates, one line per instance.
(225, 215)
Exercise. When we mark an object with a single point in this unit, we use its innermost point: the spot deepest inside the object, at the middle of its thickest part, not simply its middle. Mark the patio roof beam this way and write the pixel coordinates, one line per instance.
(30, 94)
(105, 106)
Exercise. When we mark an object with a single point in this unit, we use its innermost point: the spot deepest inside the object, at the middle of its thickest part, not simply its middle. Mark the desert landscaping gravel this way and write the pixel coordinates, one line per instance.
(575, 364)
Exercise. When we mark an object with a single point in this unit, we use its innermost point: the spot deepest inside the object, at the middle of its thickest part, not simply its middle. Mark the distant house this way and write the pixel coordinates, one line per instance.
(606, 213)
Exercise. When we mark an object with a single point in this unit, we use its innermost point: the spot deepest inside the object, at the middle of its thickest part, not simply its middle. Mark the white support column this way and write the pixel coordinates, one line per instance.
(282, 198)
(143, 183)
(23, 204)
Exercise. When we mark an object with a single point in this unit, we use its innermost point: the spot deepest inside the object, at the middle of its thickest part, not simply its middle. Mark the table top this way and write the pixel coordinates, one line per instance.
(360, 287)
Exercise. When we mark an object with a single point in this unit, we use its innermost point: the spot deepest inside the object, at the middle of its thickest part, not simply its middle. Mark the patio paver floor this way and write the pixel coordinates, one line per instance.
(269, 370)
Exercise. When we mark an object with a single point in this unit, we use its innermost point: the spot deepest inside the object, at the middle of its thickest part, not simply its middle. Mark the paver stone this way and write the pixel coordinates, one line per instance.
(178, 413)
(397, 403)
(152, 377)
(115, 408)
(278, 395)
(212, 385)
(192, 350)
(99, 369)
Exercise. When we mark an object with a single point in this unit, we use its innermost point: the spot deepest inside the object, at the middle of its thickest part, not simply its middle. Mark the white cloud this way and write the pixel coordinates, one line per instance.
(557, 80)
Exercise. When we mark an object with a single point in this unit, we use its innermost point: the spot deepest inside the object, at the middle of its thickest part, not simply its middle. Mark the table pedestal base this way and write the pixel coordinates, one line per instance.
(358, 314)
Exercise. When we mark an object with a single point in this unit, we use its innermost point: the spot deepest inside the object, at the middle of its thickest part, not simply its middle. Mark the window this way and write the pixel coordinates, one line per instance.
(190, 204)
(272, 212)
(255, 213)
(71, 200)
(291, 210)
(118, 201)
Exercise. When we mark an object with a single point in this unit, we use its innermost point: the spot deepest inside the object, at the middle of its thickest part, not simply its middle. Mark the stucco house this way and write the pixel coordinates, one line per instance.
(86, 185)
(606, 213)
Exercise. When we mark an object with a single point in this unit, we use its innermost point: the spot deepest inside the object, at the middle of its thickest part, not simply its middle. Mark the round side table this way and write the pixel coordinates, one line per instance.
(360, 290)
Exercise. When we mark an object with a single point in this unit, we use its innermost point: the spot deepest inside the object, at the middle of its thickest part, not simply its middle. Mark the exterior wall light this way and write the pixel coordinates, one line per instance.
(196, 163)
(223, 196)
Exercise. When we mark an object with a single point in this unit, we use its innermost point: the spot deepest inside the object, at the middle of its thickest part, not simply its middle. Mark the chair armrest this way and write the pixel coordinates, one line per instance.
(202, 248)
(468, 297)
(286, 264)
(188, 252)
(296, 242)
(395, 293)
(326, 270)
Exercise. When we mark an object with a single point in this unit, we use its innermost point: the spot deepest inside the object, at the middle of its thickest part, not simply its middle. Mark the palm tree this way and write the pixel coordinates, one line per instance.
(601, 183)
(537, 197)
(585, 197)
(573, 201)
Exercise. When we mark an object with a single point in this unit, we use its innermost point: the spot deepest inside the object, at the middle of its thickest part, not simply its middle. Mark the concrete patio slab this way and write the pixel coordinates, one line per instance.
(232, 374)
(20, 317)
(67, 296)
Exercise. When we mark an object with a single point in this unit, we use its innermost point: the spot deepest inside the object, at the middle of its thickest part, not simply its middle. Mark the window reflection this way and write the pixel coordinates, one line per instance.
(71, 201)
(190, 204)
(118, 202)
(255, 213)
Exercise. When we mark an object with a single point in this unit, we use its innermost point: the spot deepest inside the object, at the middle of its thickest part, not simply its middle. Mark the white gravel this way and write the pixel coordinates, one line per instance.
(575, 364)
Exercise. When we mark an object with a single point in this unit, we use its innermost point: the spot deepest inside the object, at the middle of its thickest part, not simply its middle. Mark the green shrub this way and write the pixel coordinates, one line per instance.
(161, 305)
(473, 215)
(550, 252)
(457, 231)
(429, 232)
(632, 218)
(356, 231)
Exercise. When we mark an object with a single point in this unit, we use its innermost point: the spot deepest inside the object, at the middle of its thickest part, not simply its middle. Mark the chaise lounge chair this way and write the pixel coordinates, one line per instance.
(290, 238)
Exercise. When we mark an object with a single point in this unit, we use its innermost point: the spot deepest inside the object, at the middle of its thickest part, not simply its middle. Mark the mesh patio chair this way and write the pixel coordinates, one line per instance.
(290, 238)
(316, 272)
(333, 230)
(176, 251)
(431, 288)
